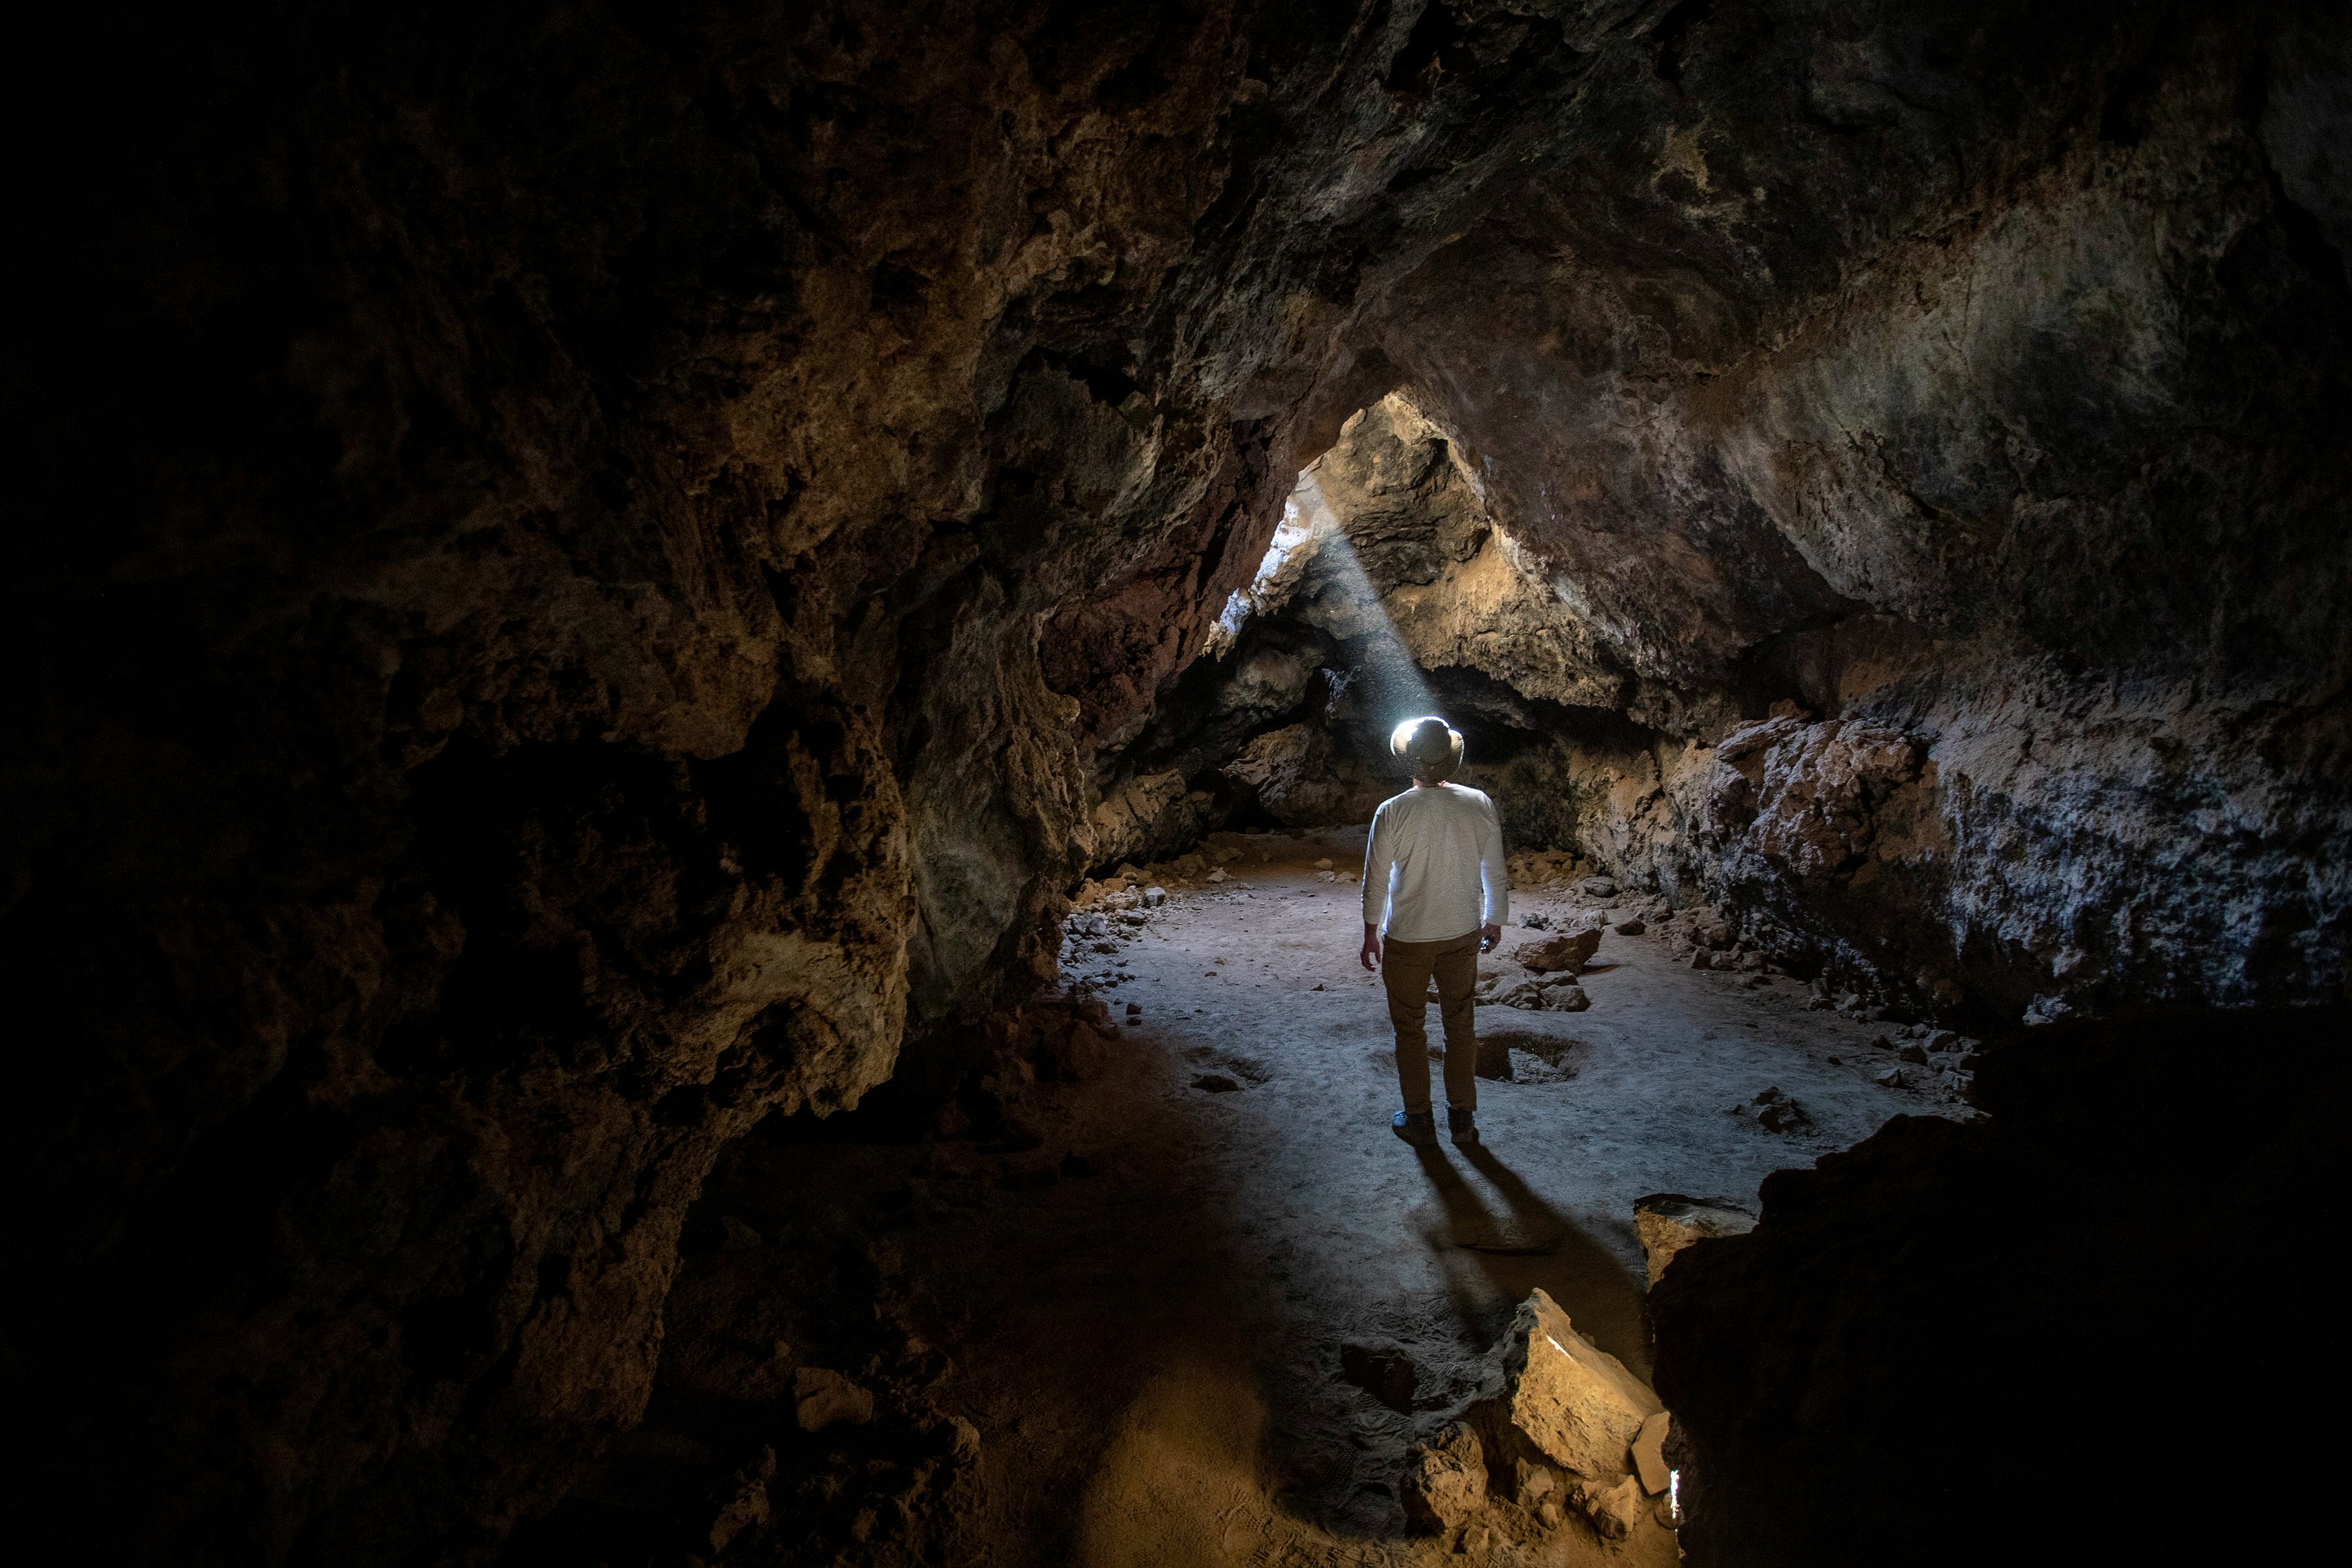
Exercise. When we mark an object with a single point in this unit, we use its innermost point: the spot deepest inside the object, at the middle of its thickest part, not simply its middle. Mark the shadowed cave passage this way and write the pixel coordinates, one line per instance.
(606, 596)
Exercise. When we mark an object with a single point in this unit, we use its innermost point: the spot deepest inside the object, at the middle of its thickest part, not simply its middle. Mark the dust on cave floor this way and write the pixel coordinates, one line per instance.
(1142, 1315)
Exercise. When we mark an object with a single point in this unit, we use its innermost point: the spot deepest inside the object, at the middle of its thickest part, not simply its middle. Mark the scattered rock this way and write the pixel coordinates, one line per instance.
(1613, 1508)
(1327, 876)
(1598, 887)
(1665, 1223)
(1445, 1478)
(1650, 1453)
(1533, 921)
(1324, 864)
(737, 1237)
(2046, 1010)
(1912, 1051)
(747, 1504)
(1154, 897)
(1568, 1400)
(1570, 951)
(1941, 1040)
(1565, 998)
(1219, 876)
(1891, 1079)
(1214, 1083)
(1383, 1371)
(1135, 1009)
(1631, 928)
(820, 1398)
(1776, 1112)
(1702, 959)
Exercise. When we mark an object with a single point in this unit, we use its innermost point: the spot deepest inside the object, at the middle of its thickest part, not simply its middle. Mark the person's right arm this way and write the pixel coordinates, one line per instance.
(1379, 855)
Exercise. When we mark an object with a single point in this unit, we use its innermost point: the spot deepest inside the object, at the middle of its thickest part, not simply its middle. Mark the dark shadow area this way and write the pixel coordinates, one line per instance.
(2120, 1282)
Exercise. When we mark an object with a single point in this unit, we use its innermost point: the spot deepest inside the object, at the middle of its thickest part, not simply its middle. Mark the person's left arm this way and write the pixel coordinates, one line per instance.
(1494, 878)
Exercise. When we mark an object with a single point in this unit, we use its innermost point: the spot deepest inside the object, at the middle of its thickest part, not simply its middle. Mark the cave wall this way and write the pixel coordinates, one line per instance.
(585, 568)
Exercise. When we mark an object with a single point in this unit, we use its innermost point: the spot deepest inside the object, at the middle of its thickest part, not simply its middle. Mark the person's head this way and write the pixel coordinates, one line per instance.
(1430, 746)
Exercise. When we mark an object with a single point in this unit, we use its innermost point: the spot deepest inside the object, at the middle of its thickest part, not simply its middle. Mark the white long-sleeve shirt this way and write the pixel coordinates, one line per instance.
(1433, 866)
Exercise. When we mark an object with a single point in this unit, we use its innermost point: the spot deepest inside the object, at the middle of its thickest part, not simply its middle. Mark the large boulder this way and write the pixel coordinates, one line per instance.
(1564, 1398)
(1569, 952)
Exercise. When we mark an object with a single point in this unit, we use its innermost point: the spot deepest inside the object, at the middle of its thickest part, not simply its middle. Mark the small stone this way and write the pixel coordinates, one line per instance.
(1214, 1083)
(1631, 928)
(1324, 864)
(1942, 1041)
(1327, 876)
(1891, 1079)
(821, 1398)
(1776, 1112)
(1614, 1509)
(1383, 1371)
(1219, 875)
(1535, 922)
(1912, 1051)
(737, 1237)
(1154, 897)
(1598, 887)
(1135, 1009)
(1702, 959)
(1650, 1453)
(1319, 986)
(1565, 999)
(1533, 1482)
(1445, 1478)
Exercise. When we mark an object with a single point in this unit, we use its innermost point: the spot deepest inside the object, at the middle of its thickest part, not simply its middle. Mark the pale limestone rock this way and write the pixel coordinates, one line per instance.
(1614, 1507)
(1650, 1453)
(1665, 1223)
(1569, 952)
(1569, 1400)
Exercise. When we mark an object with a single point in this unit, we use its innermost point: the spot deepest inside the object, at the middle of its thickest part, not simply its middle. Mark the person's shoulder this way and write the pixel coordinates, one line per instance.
(1474, 797)
(1399, 801)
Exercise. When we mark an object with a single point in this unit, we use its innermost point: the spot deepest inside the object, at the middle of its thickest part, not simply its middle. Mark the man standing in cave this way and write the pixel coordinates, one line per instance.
(1434, 885)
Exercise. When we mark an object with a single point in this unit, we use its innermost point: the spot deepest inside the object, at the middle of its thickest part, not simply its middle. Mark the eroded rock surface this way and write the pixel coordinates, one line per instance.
(593, 577)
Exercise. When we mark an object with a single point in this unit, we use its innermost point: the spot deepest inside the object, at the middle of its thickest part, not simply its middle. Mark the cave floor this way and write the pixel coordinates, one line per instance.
(1143, 1314)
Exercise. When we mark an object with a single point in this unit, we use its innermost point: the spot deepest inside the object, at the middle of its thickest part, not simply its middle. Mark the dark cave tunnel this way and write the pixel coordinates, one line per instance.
(698, 688)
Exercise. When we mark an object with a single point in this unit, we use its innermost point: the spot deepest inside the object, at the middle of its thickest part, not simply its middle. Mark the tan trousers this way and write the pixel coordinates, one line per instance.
(1407, 968)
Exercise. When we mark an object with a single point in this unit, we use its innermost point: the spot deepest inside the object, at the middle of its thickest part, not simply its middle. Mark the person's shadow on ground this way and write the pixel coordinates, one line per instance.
(1493, 1257)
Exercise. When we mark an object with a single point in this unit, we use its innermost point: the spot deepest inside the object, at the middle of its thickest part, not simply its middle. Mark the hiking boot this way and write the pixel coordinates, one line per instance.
(1416, 1128)
(1460, 1125)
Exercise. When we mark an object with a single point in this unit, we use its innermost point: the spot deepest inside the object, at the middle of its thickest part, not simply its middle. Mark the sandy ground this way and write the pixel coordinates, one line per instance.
(1146, 1314)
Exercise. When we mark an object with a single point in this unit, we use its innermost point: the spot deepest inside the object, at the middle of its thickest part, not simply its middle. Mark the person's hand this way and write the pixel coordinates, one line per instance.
(1370, 956)
(1488, 935)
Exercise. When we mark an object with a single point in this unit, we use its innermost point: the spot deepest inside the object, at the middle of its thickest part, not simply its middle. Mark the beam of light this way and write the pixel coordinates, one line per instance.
(1391, 687)
(1311, 554)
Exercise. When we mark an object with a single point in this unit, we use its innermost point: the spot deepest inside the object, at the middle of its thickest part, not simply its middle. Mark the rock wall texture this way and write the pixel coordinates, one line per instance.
(1938, 1344)
(586, 570)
